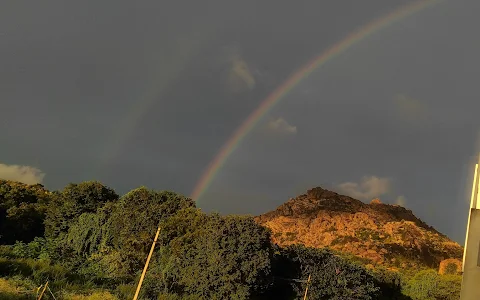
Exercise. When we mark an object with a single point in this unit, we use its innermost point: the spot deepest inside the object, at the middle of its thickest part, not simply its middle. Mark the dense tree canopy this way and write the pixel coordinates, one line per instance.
(75, 199)
(135, 219)
(331, 276)
(215, 257)
(22, 211)
(114, 240)
(92, 233)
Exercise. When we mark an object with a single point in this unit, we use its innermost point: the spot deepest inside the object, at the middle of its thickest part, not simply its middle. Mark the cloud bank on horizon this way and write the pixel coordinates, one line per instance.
(25, 174)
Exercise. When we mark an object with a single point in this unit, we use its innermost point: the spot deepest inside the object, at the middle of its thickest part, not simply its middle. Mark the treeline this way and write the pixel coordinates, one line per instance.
(87, 236)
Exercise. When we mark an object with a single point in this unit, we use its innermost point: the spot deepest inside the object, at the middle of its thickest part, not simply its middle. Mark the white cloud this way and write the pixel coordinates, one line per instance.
(401, 200)
(25, 174)
(240, 76)
(281, 126)
(368, 188)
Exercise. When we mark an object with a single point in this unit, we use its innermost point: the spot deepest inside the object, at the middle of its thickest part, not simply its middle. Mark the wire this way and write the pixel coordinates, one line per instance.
(51, 293)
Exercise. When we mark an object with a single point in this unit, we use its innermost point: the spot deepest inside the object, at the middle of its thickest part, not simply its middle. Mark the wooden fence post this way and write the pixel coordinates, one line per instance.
(146, 265)
(43, 291)
(306, 289)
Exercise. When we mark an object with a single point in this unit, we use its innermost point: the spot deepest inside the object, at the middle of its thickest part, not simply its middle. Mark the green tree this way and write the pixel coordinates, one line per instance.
(22, 211)
(75, 199)
(87, 245)
(213, 257)
(390, 284)
(112, 241)
(331, 276)
(135, 219)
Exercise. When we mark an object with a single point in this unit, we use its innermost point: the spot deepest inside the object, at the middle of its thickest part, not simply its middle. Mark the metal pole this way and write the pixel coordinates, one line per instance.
(41, 294)
(306, 289)
(146, 265)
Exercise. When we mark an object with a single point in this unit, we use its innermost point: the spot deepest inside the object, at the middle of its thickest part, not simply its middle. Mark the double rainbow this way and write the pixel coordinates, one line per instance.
(241, 132)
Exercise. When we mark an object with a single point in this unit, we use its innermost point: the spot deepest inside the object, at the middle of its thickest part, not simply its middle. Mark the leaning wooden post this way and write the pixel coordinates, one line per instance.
(44, 288)
(146, 265)
(306, 289)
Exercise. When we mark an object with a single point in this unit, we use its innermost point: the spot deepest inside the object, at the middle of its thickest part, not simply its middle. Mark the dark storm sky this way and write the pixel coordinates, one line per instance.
(146, 92)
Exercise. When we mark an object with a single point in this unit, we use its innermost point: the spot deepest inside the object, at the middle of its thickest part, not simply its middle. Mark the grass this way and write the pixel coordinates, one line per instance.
(100, 295)
(16, 288)
(20, 278)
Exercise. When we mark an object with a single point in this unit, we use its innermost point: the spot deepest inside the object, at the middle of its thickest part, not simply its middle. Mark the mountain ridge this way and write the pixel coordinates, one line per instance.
(379, 234)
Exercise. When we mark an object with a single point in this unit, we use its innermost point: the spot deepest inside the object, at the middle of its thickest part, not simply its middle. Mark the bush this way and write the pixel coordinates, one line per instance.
(39, 271)
(6, 251)
(451, 269)
(344, 239)
(331, 276)
(390, 283)
(449, 287)
(428, 284)
(35, 249)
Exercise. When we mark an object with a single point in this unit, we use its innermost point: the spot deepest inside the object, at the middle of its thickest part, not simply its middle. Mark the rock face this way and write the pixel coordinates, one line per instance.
(379, 234)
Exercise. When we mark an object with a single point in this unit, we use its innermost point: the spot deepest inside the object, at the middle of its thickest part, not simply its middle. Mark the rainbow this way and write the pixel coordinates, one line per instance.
(171, 68)
(241, 132)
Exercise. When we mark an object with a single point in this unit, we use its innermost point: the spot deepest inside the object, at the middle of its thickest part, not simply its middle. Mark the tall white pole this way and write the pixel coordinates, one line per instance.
(473, 204)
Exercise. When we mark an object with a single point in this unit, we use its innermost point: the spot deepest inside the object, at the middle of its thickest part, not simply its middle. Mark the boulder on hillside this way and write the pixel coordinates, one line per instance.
(451, 266)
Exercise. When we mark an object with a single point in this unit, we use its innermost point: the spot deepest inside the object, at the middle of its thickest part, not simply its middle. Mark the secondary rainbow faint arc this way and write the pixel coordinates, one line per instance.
(232, 143)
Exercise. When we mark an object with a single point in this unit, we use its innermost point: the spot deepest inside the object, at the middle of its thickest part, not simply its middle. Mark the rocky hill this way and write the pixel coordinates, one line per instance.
(376, 233)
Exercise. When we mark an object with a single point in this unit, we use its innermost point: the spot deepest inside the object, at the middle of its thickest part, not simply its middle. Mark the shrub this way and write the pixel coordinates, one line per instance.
(291, 236)
(451, 269)
(331, 276)
(35, 249)
(344, 239)
(6, 251)
(428, 284)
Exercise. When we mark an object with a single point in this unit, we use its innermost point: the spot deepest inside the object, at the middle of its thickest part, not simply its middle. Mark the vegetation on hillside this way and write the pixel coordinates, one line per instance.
(381, 234)
(91, 243)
